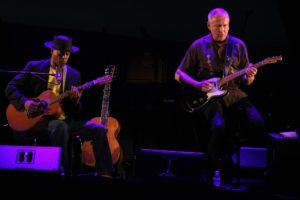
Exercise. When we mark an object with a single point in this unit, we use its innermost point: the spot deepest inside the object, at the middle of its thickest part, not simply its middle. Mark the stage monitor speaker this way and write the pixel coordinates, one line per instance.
(30, 158)
(252, 157)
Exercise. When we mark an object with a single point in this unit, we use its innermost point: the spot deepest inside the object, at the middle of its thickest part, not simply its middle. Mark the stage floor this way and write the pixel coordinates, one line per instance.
(39, 185)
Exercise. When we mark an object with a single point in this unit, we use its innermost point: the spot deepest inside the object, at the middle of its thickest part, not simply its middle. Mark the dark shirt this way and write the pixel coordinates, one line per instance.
(206, 59)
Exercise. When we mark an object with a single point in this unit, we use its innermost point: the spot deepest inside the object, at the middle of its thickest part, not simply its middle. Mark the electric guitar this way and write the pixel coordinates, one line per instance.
(112, 125)
(20, 120)
(195, 100)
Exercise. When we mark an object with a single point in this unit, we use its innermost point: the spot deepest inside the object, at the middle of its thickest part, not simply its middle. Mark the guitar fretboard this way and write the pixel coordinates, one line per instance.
(243, 71)
(105, 104)
(110, 69)
(80, 88)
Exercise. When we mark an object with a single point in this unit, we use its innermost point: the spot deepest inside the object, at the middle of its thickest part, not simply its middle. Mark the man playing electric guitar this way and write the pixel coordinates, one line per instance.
(63, 123)
(207, 57)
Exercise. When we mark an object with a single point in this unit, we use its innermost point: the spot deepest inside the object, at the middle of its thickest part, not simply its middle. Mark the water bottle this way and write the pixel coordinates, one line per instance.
(217, 179)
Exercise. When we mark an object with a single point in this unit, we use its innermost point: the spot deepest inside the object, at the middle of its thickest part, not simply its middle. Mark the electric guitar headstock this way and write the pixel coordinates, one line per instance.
(271, 60)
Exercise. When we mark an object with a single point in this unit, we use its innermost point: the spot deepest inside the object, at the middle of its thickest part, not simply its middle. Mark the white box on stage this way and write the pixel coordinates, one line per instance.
(30, 158)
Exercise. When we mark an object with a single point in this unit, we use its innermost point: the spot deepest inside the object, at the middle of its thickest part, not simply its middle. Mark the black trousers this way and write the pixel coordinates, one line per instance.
(214, 118)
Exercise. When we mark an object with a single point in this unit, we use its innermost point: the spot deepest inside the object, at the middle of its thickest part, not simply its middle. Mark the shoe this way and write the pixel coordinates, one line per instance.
(104, 174)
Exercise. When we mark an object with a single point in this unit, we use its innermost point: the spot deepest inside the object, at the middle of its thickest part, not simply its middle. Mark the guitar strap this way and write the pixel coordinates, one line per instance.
(64, 76)
(228, 56)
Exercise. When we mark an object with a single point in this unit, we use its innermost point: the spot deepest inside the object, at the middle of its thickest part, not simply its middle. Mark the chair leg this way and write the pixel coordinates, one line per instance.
(238, 165)
(76, 154)
(80, 153)
(237, 168)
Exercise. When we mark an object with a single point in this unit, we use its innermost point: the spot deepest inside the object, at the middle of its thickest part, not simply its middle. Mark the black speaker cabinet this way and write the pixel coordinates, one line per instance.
(168, 164)
(284, 163)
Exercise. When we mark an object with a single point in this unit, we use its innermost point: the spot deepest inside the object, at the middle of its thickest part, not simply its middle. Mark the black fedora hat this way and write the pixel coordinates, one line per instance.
(62, 43)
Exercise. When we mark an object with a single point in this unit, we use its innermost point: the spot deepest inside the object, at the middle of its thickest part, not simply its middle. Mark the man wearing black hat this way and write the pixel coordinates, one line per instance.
(23, 88)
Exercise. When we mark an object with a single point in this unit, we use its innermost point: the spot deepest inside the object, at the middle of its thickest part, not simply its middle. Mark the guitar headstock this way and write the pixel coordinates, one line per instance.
(273, 59)
(103, 80)
(109, 74)
(110, 70)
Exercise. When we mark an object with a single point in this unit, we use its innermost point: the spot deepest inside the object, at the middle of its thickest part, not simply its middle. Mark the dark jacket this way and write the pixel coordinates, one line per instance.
(27, 85)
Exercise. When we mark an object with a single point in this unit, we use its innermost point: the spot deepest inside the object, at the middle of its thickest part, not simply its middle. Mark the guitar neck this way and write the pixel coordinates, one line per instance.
(67, 93)
(105, 104)
(110, 69)
(238, 74)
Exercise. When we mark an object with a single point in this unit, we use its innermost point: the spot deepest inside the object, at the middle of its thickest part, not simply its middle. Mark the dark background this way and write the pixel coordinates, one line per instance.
(146, 41)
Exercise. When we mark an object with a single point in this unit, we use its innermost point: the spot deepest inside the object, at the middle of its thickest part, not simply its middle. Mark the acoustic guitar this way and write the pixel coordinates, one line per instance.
(20, 120)
(112, 125)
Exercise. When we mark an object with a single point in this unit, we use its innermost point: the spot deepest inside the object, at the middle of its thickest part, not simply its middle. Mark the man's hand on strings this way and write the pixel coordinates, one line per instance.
(250, 74)
(206, 85)
(75, 94)
(251, 71)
